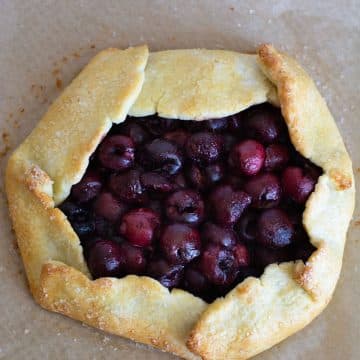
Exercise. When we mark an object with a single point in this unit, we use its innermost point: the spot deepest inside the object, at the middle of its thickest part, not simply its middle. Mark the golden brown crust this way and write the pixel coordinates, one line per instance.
(201, 84)
(255, 315)
(138, 308)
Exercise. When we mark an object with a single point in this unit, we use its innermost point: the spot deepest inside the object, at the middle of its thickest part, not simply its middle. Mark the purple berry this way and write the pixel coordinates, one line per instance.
(156, 182)
(108, 207)
(195, 282)
(185, 206)
(180, 243)
(204, 147)
(218, 235)
(218, 265)
(274, 229)
(276, 158)
(178, 137)
(105, 259)
(264, 189)
(88, 187)
(296, 184)
(228, 205)
(117, 152)
(168, 275)
(235, 123)
(263, 124)
(216, 125)
(139, 226)
(203, 178)
(134, 260)
(179, 181)
(241, 254)
(161, 156)
(247, 157)
(158, 126)
(128, 187)
(246, 227)
(135, 131)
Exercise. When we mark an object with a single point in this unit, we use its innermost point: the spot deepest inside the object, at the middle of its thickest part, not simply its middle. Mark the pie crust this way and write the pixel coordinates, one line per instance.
(183, 84)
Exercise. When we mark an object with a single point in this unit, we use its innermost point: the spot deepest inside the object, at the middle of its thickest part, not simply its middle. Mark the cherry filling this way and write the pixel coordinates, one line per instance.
(197, 205)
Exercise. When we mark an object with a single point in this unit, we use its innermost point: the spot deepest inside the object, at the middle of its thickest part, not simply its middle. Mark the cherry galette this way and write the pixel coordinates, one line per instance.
(197, 205)
(163, 199)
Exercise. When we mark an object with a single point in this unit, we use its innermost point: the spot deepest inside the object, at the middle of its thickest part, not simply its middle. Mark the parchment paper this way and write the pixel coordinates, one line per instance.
(44, 43)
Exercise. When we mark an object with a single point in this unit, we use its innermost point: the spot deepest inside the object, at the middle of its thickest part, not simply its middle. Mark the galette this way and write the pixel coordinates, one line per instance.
(193, 200)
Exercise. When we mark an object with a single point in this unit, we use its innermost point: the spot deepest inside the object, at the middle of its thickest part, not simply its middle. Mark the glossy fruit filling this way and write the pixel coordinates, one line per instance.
(196, 205)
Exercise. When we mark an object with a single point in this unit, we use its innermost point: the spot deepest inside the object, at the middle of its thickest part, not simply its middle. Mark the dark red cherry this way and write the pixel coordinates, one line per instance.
(264, 189)
(185, 206)
(204, 147)
(212, 125)
(274, 229)
(88, 187)
(108, 207)
(139, 226)
(105, 259)
(135, 131)
(156, 182)
(180, 243)
(235, 123)
(169, 275)
(203, 178)
(127, 187)
(297, 184)
(247, 157)
(134, 260)
(83, 228)
(179, 181)
(276, 158)
(103, 228)
(157, 125)
(81, 221)
(161, 156)
(264, 256)
(216, 125)
(196, 177)
(262, 123)
(214, 173)
(218, 265)
(117, 152)
(195, 282)
(246, 227)
(73, 211)
(241, 254)
(228, 205)
(218, 235)
(179, 137)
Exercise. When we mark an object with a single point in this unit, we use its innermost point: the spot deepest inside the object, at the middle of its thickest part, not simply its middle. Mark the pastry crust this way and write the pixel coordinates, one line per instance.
(255, 315)
(201, 84)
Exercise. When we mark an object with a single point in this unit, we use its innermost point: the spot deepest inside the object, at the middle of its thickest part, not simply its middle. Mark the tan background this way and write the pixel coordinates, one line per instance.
(44, 43)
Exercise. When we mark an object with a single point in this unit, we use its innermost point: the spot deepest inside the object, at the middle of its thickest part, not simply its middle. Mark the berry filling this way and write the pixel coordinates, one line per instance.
(196, 205)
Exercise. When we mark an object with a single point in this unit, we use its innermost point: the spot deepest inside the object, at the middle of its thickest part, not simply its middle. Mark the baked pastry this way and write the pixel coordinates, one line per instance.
(204, 206)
